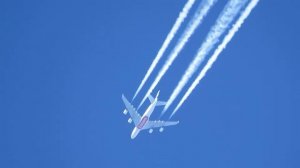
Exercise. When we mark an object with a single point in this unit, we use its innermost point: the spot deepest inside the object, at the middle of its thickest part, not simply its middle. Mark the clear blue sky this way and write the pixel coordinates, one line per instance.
(64, 65)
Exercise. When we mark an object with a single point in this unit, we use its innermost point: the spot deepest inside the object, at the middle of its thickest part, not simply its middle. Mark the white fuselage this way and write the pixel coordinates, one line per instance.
(144, 119)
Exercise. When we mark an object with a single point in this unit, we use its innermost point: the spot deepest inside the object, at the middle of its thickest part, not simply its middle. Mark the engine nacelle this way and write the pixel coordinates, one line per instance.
(150, 131)
(125, 112)
(129, 120)
(161, 129)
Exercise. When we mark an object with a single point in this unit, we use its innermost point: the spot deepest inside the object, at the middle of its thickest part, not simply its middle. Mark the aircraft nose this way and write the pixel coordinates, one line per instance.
(134, 133)
(132, 136)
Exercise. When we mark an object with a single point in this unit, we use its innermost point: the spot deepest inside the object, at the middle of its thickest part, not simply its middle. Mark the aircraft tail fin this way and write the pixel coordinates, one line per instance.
(159, 103)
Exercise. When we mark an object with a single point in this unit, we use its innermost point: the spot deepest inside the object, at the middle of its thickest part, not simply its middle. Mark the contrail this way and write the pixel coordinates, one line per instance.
(217, 52)
(167, 41)
(223, 22)
(201, 12)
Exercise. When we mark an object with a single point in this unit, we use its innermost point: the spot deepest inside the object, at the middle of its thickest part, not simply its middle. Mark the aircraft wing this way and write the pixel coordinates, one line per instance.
(158, 123)
(132, 111)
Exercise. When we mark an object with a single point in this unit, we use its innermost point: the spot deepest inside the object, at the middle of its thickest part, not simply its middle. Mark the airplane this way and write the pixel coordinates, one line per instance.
(143, 122)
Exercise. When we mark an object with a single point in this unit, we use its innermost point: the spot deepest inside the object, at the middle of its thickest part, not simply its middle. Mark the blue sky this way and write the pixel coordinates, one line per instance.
(65, 64)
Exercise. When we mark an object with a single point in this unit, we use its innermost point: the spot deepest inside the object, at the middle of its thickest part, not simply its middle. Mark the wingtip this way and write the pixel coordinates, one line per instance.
(123, 97)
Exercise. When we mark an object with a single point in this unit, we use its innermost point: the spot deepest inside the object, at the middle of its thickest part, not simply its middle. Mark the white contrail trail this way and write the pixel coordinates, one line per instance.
(223, 22)
(217, 52)
(201, 12)
(167, 41)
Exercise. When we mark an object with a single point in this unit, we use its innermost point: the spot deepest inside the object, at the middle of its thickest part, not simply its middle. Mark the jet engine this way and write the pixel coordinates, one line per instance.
(161, 129)
(129, 120)
(125, 112)
(150, 131)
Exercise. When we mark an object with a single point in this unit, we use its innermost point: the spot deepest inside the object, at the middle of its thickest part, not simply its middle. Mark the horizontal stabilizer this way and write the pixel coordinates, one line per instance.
(161, 103)
(151, 98)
